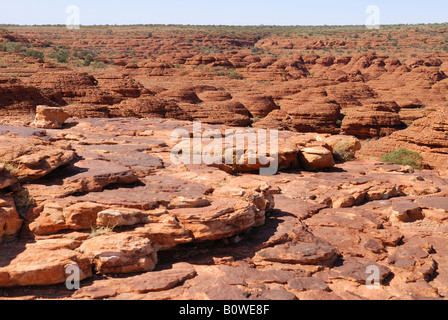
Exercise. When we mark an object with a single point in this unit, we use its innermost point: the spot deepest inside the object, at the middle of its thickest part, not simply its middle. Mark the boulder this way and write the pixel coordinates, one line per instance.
(315, 158)
(50, 117)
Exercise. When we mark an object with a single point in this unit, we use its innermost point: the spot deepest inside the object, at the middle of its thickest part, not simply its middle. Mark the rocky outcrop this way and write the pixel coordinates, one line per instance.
(371, 124)
(10, 220)
(231, 113)
(17, 98)
(317, 116)
(149, 107)
(49, 117)
(123, 206)
(104, 194)
(181, 94)
(427, 136)
(258, 104)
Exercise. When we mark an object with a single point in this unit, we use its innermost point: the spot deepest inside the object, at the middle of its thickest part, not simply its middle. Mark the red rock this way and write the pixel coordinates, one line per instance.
(150, 107)
(50, 117)
(10, 221)
(119, 253)
(19, 98)
(371, 123)
(426, 136)
(300, 253)
(181, 94)
(42, 263)
(258, 104)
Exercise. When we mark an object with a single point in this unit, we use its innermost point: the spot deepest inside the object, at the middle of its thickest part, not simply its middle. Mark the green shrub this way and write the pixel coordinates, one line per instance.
(404, 157)
(34, 53)
(12, 47)
(88, 60)
(229, 73)
(233, 74)
(61, 55)
(98, 65)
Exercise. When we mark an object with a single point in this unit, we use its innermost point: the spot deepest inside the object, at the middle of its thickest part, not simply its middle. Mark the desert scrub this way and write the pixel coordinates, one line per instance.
(404, 157)
(97, 231)
(11, 167)
(23, 201)
(34, 53)
(229, 73)
(61, 55)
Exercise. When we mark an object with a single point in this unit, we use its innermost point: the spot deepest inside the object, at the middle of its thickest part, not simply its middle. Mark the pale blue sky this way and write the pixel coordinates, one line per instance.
(229, 12)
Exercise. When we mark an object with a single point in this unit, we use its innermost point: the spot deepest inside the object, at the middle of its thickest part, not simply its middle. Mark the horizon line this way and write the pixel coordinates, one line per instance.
(218, 25)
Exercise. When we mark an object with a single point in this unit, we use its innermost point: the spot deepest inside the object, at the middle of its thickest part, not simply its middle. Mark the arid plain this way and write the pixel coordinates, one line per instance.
(86, 177)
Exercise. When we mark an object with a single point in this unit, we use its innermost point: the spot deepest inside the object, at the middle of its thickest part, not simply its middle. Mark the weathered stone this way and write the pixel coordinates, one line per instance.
(119, 253)
(300, 253)
(41, 263)
(10, 221)
(315, 158)
(50, 117)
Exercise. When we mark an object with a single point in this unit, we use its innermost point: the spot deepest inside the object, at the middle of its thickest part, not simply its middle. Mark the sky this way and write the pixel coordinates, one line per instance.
(229, 12)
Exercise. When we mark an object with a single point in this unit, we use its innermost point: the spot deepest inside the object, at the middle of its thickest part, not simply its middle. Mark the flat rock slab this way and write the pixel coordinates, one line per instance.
(434, 203)
(119, 253)
(352, 218)
(223, 218)
(148, 282)
(307, 283)
(82, 176)
(40, 263)
(358, 270)
(131, 156)
(156, 190)
(22, 131)
(300, 253)
(299, 208)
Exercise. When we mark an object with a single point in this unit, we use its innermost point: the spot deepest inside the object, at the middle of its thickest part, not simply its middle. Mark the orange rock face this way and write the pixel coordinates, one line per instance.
(427, 136)
(90, 182)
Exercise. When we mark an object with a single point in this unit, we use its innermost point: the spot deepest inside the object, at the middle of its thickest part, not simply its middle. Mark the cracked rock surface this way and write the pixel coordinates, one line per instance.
(104, 195)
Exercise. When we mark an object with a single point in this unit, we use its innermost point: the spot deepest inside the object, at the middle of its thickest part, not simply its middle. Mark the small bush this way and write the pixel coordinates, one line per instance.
(88, 60)
(404, 157)
(11, 167)
(233, 74)
(12, 47)
(229, 73)
(98, 65)
(23, 201)
(34, 53)
(61, 55)
(100, 230)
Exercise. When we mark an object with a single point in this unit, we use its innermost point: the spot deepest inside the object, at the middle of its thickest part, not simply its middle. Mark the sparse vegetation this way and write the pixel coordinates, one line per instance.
(11, 167)
(60, 54)
(97, 231)
(404, 157)
(229, 73)
(23, 201)
(88, 60)
(34, 53)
